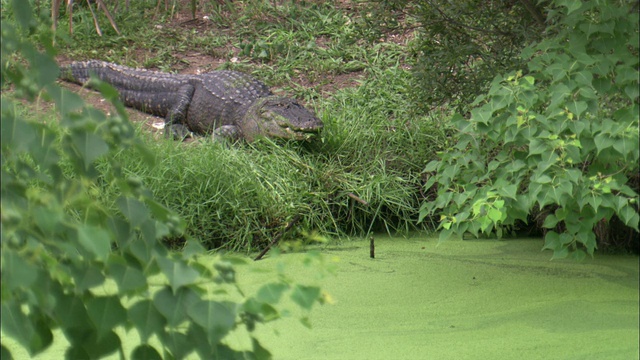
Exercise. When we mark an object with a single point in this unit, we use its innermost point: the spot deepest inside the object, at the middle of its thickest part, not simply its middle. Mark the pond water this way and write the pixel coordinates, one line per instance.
(472, 299)
(480, 299)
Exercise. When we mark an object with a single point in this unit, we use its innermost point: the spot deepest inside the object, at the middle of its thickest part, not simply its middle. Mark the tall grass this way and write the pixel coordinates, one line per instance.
(238, 196)
(362, 175)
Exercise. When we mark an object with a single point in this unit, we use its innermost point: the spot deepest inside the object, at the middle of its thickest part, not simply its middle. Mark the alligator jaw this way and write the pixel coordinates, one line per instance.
(306, 133)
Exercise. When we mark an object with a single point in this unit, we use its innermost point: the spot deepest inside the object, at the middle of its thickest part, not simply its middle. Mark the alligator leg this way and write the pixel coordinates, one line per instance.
(229, 132)
(173, 105)
(174, 123)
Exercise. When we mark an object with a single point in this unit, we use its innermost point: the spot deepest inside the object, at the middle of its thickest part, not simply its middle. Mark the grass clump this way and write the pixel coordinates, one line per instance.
(362, 175)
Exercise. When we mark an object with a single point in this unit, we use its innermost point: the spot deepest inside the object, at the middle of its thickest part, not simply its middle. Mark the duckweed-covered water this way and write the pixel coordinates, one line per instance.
(480, 299)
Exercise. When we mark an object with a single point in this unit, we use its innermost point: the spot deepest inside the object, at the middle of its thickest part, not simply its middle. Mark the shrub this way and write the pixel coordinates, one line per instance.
(561, 139)
(61, 245)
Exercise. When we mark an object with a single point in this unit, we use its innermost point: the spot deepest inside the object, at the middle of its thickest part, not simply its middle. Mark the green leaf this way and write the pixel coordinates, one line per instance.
(174, 307)
(217, 318)
(481, 115)
(258, 351)
(23, 13)
(572, 5)
(17, 325)
(5, 353)
(178, 343)
(95, 240)
(629, 216)
(90, 146)
(146, 318)
(508, 191)
(145, 352)
(106, 312)
(134, 210)
(271, 293)
(538, 146)
(127, 277)
(86, 277)
(577, 107)
(177, 272)
(603, 141)
(550, 221)
(98, 348)
(16, 272)
(305, 296)
(625, 145)
(16, 134)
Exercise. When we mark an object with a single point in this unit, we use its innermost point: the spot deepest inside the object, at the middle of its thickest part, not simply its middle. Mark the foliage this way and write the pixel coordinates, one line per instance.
(464, 44)
(70, 264)
(240, 196)
(561, 138)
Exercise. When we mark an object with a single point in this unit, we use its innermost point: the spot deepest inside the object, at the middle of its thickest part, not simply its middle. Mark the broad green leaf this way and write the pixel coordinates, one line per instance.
(146, 319)
(127, 278)
(572, 5)
(16, 324)
(16, 272)
(70, 313)
(86, 277)
(632, 91)
(5, 354)
(95, 240)
(23, 13)
(98, 348)
(577, 107)
(258, 351)
(177, 272)
(538, 146)
(625, 145)
(145, 352)
(174, 307)
(50, 218)
(305, 296)
(66, 101)
(217, 318)
(178, 343)
(560, 253)
(508, 191)
(550, 221)
(106, 312)
(271, 293)
(16, 134)
(495, 215)
(481, 115)
(134, 210)
(629, 216)
(89, 145)
(603, 141)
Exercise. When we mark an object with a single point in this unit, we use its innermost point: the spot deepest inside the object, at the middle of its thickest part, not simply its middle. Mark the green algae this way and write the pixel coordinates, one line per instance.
(480, 299)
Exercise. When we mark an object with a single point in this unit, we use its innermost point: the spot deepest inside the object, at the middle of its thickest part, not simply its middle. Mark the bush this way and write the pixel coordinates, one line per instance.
(559, 141)
(61, 245)
(464, 44)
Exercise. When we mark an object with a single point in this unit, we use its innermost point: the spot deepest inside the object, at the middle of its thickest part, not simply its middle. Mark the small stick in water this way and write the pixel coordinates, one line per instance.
(372, 248)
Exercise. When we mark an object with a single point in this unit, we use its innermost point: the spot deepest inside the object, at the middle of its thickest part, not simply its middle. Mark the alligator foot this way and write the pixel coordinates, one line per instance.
(177, 132)
(227, 132)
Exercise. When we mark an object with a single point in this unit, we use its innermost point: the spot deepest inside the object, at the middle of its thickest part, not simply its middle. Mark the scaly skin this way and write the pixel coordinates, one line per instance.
(223, 103)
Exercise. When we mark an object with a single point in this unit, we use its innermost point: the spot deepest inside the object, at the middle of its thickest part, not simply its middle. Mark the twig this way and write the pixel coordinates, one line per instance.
(356, 198)
(277, 237)
(372, 248)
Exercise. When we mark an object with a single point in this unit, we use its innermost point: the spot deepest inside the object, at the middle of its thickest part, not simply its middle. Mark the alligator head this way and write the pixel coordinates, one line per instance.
(278, 117)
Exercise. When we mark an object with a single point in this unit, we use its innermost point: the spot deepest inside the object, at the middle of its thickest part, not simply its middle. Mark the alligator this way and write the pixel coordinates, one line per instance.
(223, 103)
